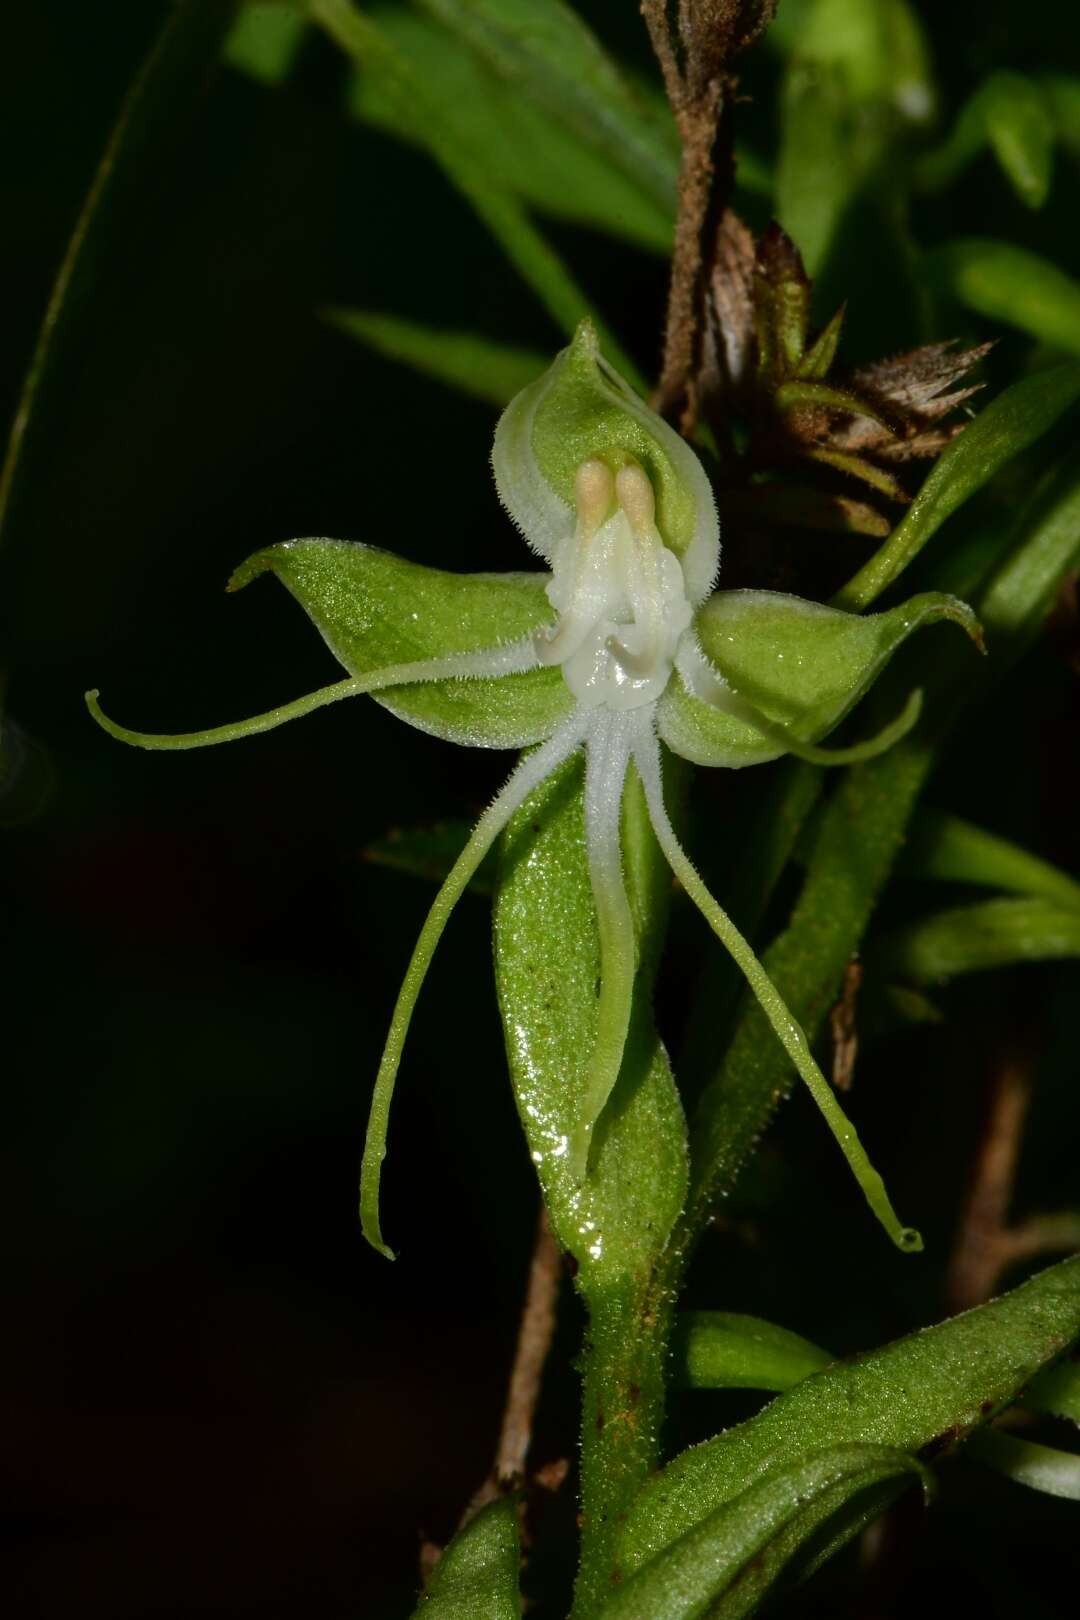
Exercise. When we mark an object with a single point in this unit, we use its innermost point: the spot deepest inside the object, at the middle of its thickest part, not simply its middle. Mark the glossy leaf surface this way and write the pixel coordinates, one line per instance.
(376, 609)
(928, 1388)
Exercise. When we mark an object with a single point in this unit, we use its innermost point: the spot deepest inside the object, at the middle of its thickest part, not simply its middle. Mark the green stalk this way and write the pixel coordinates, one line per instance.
(624, 1368)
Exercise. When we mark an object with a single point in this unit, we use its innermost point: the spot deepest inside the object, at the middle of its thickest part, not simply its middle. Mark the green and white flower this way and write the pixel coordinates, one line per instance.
(620, 650)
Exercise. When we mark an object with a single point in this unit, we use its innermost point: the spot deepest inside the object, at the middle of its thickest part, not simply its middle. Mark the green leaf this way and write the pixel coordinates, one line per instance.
(1008, 425)
(547, 968)
(172, 74)
(1057, 1390)
(724, 1350)
(1002, 282)
(529, 152)
(856, 842)
(616, 1223)
(876, 46)
(477, 1576)
(265, 40)
(1025, 1462)
(493, 372)
(1010, 114)
(544, 51)
(970, 939)
(948, 849)
(928, 1389)
(1062, 92)
(376, 609)
(801, 665)
(858, 76)
(726, 1566)
(420, 110)
(817, 174)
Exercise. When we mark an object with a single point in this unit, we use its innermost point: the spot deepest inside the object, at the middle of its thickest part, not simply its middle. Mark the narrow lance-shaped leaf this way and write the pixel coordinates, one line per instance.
(533, 258)
(545, 50)
(1027, 1462)
(520, 146)
(856, 842)
(477, 1576)
(726, 1566)
(949, 849)
(616, 1223)
(927, 1389)
(971, 939)
(465, 361)
(1003, 282)
(1057, 1390)
(725, 1350)
(188, 43)
(1007, 426)
(265, 40)
(1011, 114)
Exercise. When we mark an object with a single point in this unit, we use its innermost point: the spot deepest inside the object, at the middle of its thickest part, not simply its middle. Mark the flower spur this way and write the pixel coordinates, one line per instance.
(621, 650)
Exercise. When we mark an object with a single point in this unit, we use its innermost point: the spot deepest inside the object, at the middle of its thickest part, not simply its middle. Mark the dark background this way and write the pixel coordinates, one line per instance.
(218, 1400)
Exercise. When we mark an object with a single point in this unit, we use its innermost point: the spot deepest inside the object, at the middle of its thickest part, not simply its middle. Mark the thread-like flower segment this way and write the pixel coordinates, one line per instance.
(622, 649)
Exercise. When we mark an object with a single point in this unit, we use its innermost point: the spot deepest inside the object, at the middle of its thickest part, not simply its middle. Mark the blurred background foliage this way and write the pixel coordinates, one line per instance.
(217, 1400)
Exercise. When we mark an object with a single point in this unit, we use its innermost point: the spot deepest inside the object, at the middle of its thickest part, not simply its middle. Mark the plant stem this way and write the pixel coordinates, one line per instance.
(624, 1368)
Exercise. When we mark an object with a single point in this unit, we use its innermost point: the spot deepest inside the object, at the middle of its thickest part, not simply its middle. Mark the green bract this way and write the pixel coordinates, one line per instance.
(615, 655)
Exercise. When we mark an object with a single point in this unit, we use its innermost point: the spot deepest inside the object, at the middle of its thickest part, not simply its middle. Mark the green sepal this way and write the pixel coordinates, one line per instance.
(801, 664)
(581, 409)
(477, 1576)
(926, 1390)
(375, 609)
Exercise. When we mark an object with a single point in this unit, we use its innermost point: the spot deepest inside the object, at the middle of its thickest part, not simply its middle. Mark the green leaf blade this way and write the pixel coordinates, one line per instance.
(726, 1350)
(1003, 282)
(974, 939)
(948, 849)
(465, 361)
(1008, 425)
(477, 1576)
(929, 1388)
(726, 1566)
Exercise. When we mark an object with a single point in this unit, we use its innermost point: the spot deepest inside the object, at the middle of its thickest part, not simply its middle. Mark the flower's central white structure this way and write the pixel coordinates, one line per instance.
(641, 652)
(619, 592)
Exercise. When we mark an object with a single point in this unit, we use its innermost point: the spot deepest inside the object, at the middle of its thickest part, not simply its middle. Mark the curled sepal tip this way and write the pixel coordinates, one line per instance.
(180, 740)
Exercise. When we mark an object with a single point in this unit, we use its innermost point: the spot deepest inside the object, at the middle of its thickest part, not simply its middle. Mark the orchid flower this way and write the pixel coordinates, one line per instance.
(621, 651)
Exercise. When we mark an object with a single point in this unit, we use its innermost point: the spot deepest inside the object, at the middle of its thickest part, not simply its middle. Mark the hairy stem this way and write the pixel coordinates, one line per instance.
(624, 1376)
